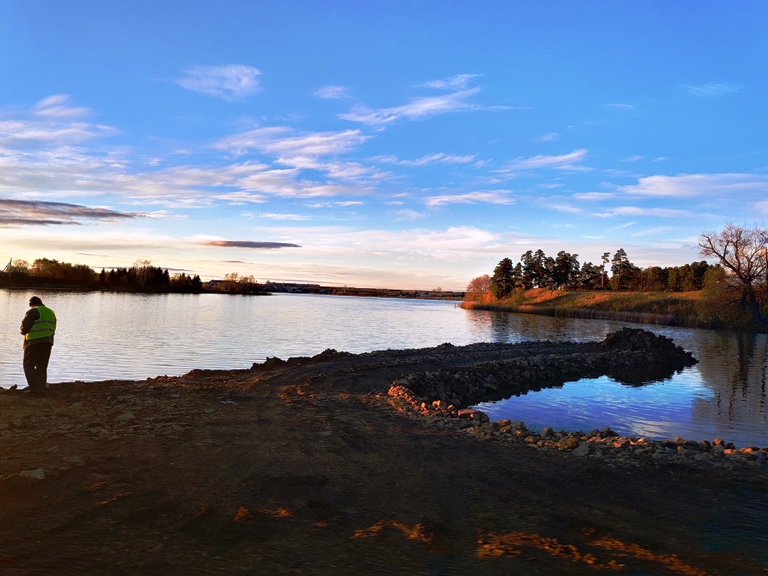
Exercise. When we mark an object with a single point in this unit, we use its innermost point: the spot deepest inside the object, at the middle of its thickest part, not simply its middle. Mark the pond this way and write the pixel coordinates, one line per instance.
(105, 336)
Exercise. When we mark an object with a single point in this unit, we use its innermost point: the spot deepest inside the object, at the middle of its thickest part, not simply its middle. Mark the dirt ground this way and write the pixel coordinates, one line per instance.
(306, 467)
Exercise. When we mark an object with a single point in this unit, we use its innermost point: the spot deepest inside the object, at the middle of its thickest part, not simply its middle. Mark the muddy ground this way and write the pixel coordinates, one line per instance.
(307, 467)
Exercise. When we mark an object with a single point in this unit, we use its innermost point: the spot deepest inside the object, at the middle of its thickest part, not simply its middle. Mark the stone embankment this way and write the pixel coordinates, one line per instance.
(632, 356)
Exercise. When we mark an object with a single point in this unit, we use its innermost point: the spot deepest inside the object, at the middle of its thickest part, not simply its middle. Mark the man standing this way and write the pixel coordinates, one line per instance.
(38, 327)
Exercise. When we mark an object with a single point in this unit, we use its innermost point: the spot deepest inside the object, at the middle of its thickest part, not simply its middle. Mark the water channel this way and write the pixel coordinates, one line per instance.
(105, 336)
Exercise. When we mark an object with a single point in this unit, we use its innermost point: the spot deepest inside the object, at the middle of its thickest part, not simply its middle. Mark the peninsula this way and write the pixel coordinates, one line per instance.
(350, 464)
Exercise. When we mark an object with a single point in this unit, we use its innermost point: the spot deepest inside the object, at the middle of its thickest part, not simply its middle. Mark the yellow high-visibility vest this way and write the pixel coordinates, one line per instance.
(43, 326)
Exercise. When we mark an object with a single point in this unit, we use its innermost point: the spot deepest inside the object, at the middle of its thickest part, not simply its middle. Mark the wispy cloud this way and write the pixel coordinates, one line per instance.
(332, 92)
(713, 90)
(693, 185)
(594, 196)
(38, 213)
(299, 152)
(284, 142)
(49, 130)
(289, 217)
(57, 106)
(417, 109)
(494, 197)
(438, 158)
(549, 137)
(408, 214)
(246, 244)
(458, 82)
(568, 161)
(563, 207)
(645, 212)
(228, 82)
(633, 158)
(622, 106)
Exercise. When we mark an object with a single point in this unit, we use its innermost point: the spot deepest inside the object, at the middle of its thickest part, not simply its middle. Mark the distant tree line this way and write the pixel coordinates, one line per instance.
(734, 290)
(564, 272)
(141, 277)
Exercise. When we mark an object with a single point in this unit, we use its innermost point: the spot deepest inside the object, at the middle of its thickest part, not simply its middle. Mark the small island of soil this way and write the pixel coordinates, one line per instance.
(350, 464)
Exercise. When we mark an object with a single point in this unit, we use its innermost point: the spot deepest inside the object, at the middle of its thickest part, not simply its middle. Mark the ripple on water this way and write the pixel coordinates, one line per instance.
(659, 410)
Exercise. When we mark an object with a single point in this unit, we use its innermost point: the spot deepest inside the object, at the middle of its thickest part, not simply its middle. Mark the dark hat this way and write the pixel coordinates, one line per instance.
(35, 301)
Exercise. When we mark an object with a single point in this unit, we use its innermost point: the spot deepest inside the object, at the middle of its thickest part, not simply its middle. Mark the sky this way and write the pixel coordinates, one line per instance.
(394, 144)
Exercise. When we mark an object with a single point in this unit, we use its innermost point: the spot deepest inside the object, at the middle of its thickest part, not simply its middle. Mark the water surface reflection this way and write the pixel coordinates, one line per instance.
(107, 335)
(722, 396)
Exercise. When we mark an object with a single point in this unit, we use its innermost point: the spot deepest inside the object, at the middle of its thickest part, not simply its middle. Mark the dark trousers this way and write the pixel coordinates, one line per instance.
(36, 359)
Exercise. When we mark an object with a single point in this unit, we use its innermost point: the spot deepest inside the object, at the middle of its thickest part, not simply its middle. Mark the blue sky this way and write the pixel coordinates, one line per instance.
(389, 144)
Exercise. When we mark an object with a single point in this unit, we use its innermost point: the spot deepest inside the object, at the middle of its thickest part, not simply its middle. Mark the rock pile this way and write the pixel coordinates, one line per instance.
(630, 355)
(602, 444)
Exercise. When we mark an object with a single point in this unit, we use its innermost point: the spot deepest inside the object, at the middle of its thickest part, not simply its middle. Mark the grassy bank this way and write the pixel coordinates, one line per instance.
(688, 309)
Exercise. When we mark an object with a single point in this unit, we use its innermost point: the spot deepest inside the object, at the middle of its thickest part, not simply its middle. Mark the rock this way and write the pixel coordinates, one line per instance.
(481, 417)
(76, 460)
(126, 417)
(36, 474)
(583, 449)
(568, 443)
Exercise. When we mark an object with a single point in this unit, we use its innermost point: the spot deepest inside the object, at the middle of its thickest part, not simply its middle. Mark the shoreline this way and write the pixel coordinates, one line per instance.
(680, 309)
(313, 466)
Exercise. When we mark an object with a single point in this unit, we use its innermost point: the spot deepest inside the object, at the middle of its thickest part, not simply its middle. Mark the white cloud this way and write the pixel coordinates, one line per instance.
(45, 151)
(495, 197)
(695, 185)
(714, 90)
(762, 206)
(439, 157)
(273, 216)
(457, 82)
(332, 92)
(308, 151)
(646, 212)
(594, 196)
(408, 214)
(57, 107)
(633, 158)
(228, 82)
(549, 137)
(562, 162)
(563, 207)
(417, 109)
(621, 106)
(285, 142)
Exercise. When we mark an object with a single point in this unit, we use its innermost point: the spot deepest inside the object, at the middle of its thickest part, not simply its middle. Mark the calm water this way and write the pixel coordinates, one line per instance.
(105, 336)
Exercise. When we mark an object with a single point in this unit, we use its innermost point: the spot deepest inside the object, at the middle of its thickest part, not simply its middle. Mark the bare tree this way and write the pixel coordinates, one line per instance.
(742, 253)
(232, 279)
(142, 266)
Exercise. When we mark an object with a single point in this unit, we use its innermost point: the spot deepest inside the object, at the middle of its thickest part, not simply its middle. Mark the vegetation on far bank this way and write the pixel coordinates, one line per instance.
(143, 277)
(731, 294)
(689, 309)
